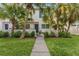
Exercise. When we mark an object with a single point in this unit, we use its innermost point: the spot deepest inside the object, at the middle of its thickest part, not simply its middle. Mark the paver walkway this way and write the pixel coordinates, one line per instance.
(40, 48)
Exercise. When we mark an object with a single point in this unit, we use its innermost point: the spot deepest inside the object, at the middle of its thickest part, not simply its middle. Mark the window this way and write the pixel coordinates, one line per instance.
(40, 14)
(45, 26)
(73, 24)
(29, 19)
(6, 26)
(27, 26)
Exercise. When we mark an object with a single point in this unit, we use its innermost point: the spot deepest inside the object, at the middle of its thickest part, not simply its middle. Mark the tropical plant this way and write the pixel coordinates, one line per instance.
(26, 11)
(4, 34)
(73, 14)
(8, 11)
(32, 33)
(65, 34)
(60, 16)
(17, 34)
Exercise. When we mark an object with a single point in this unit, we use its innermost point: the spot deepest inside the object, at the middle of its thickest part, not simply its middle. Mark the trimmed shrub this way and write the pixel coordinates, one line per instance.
(17, 34)
(6, 34)
(46, 34)
(27, 34)
(32, 34)
(1, 34)
(64, 34)
(52, 34)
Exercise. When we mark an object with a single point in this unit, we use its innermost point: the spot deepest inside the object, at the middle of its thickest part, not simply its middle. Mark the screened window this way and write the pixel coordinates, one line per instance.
(29, 19)
(45, 26)
(6, 26)
(27, 26)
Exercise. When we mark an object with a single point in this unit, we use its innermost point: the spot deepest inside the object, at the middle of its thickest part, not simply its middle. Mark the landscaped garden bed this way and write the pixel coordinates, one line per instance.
(16, 46)
(63, 46)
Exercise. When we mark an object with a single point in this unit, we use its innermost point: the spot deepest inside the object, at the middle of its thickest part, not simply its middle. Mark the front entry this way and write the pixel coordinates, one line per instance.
(37, 28)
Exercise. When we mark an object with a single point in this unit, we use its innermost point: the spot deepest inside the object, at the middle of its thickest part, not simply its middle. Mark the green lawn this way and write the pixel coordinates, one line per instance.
(16, 46)
(63, 46)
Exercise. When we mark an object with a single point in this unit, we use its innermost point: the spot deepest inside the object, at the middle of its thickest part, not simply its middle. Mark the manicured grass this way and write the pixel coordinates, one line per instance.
(16, 46)
(63, 46)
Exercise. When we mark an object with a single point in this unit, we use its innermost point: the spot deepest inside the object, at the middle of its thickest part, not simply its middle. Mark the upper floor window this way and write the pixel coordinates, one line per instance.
(40, 14)
(29, 19)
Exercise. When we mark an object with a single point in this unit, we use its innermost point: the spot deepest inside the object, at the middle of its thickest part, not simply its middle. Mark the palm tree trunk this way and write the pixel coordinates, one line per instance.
(68, 27)
(23, 33)
(50, 28)
(13, 26)
(57, 34)
(12, 31)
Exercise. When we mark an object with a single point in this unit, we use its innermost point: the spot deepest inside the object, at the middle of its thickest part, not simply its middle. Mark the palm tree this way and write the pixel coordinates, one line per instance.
(28, 11)
(8, 11)
(61, 17)
(66, 15)
(73, 14)
(48, 17)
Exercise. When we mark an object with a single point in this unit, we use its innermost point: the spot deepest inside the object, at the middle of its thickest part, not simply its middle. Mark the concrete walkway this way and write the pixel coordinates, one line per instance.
(40, 48)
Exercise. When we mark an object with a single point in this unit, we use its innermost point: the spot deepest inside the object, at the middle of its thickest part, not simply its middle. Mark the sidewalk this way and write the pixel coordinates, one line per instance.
(40, 48)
